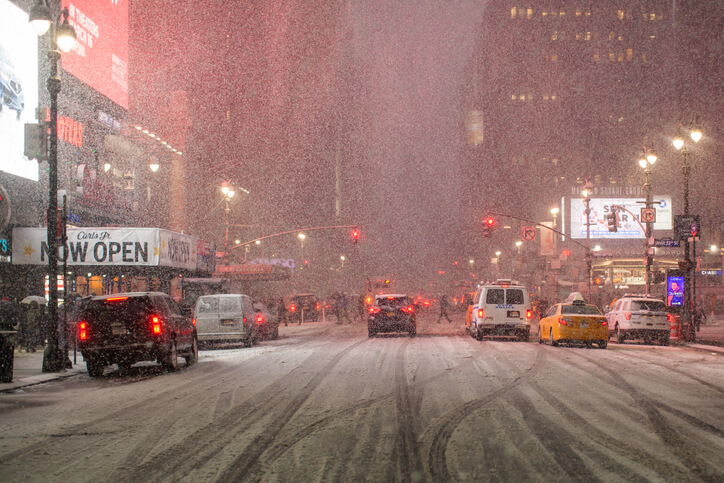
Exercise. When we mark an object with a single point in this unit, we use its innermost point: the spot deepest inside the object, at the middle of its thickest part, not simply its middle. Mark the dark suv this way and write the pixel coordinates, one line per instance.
(126, 328)
(392, 313)
(306, 302)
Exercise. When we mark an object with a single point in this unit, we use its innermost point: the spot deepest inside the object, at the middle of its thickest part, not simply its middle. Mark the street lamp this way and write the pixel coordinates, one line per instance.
(648, 158)
(228, 191)
(342, 259)
(586, 192)
(302, 237)
(680, 144)
(61, 37)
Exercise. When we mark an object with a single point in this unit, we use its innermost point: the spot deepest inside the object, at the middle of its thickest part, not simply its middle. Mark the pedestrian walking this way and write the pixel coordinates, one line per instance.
(361, 307)
(34, 326)
(443, 309)
(344, 309)
(282, 311)
(9, 321)
(337, 301)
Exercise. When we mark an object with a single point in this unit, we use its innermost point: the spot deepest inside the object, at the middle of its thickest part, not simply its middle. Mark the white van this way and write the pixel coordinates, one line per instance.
(501, 309)
(226, 318)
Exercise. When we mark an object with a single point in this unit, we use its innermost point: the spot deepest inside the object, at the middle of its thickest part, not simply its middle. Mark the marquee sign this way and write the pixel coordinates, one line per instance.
(108, 247)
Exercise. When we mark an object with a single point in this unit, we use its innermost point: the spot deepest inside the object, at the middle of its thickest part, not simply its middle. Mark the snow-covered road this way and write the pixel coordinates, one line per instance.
(326, 403)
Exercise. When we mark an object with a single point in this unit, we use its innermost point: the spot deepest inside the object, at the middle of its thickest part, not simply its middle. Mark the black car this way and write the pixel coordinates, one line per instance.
(126, 328)
(391, 313)
(305, 304)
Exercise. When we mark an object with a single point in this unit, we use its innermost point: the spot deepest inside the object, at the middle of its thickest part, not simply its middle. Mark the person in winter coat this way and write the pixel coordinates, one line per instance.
(443, 309)
(34, 326)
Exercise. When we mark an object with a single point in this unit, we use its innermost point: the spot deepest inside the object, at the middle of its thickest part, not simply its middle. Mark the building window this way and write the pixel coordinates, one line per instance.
(578, 13)
(512, 12)
(554, 35)
(643, 57)
(553, 97)
(596, 57)
(612, 57)
(544, 13)
(513, 97)
(621, 14)
(588, 36)
(620, 57)
(563, 13)
(611, 36)
(522, 97)
(554, 57)
(529, 13)
(629, 55)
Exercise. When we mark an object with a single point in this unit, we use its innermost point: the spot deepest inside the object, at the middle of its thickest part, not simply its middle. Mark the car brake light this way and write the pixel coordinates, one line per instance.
(409, 309)
(317, 306)
(529, 314)
(627, 315)
(390, 298)
(564, 321)
(83, 331)
(374, 310)
(193, 321)
(481, 313)
(604, 323)
(244, 320)
(156, 324)
(259, 319)
(116, 299)
(293, 308)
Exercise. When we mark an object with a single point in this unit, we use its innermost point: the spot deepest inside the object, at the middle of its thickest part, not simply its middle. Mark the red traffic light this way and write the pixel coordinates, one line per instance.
(490, 221)
(355, 235)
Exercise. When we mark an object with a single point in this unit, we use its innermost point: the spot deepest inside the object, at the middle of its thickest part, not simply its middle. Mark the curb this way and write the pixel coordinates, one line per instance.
(39, 379)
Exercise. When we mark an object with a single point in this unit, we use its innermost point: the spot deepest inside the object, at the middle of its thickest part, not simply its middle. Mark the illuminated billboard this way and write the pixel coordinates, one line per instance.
(100, 55)
(628, 216)
(18, 89)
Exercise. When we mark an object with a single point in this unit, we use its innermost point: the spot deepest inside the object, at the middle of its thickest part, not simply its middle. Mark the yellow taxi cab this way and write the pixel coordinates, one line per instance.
(574, 321)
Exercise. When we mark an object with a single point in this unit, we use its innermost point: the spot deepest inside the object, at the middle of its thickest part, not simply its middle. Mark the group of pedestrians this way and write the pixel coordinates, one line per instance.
(343, 307)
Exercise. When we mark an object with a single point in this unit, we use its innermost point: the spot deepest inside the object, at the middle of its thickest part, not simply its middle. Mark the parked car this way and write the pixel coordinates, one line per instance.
(303, 304)
(266, 323)
(126, 328)
(226, 318)
(574, 322)
(501, 309)
(391, 313)
(636, 316)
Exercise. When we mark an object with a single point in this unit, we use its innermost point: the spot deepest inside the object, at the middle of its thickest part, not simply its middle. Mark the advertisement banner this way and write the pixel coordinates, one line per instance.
(628, 216)
(18, 89)
(177, 250)
(675, 291)
(100, 55)
(547, 240)
(90, 246)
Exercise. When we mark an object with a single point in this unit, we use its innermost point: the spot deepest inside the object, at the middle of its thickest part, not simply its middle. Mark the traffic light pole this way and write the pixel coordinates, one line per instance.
(274, 235)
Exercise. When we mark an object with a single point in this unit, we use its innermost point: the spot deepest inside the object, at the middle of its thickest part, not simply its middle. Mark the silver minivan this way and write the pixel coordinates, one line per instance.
(225, 318)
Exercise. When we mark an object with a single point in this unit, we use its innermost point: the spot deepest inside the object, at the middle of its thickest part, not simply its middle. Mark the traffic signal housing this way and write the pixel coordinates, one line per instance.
(489, 226)
(612, 221)
(355, 236)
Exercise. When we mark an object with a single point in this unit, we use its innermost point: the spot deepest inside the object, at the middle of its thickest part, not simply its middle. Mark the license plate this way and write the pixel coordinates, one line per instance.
(390, 314)
(227, 321)
(514, 313)
(118, 330)
(584, 325)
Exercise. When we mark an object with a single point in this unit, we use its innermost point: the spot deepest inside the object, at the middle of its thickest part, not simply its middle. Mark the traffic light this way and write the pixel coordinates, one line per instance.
(36, 141)
(355, 236)
(488, 226)
(612, 221)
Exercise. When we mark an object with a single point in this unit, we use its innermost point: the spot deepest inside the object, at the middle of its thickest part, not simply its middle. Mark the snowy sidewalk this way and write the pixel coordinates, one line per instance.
(28, 370)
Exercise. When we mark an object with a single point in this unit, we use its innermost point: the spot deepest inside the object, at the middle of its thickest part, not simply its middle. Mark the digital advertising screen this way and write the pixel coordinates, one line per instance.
(100, 55)
(675, 291)
(18, 89)
(628, 216)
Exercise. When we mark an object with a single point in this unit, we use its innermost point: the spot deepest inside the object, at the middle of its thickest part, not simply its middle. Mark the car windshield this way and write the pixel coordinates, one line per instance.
(649, 305)
(580, 309)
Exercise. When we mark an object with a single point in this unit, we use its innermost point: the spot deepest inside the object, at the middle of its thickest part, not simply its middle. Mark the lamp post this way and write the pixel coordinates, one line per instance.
(681, 144)
(63, 38)
(648, 158)
(228, 191)
(302, 237)
(586, 192)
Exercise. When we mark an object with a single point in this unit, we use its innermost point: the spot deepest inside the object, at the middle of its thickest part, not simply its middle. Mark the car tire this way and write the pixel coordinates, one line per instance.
(602, 344)
(478, 334)
(193, 357)
(170, 360)
(540, 336)
(95, 368)
(554, 343)
(620, 336)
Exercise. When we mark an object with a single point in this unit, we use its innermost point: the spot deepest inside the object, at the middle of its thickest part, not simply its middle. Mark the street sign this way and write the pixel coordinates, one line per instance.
(648, 215)
(528, 233)
(666, 242)
(686, 226)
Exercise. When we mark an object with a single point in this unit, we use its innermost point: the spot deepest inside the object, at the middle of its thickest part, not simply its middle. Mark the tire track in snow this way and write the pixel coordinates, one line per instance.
(701, 469)
(239, 468)
(408, 448)
(446, 424)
